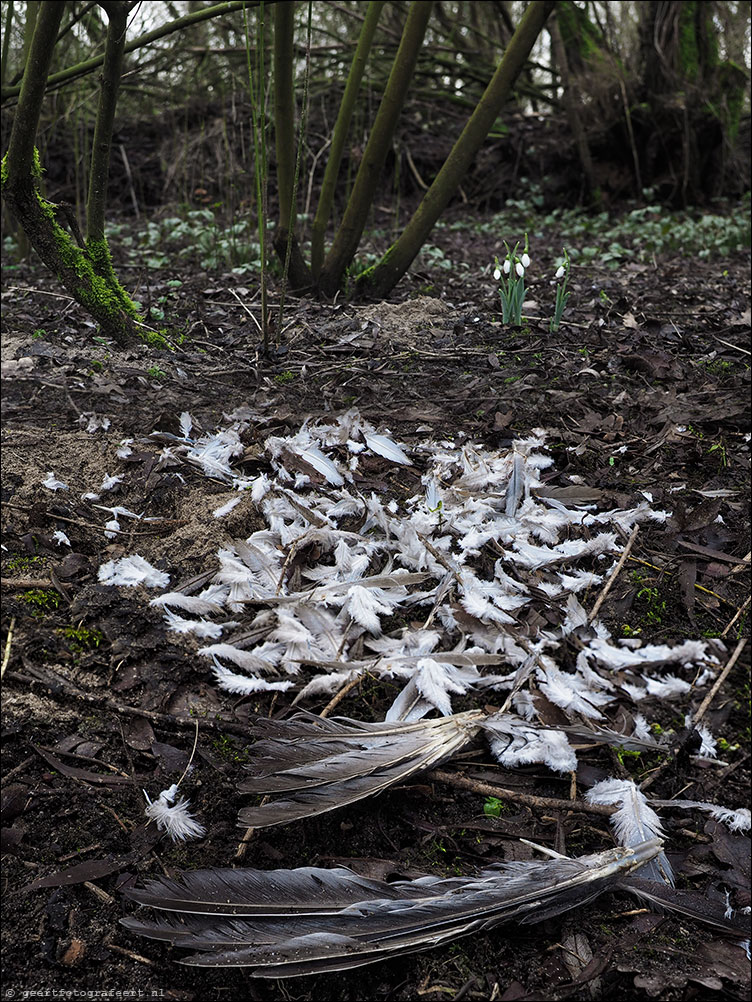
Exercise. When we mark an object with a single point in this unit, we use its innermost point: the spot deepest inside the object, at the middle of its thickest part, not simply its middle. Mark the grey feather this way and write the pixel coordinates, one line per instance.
(325, 764)
(286, 923)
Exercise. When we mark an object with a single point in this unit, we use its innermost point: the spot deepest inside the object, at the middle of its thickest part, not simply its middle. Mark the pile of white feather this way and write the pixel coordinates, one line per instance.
(462, 564)
(475, 582)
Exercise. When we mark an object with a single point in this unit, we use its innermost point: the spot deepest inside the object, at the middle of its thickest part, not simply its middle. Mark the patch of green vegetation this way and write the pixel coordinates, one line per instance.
(720, 449)
(655, 605)
(284, 377)
(20, 563)
(227, 749)
(198, 236)
(39, 333)
(80, 638)
(625, 756)
(493, 807)
(156, 373)
(42, 600)
(639, 235)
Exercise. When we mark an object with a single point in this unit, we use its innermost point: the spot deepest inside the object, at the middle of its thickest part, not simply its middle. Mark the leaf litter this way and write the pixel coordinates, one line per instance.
(166, 669)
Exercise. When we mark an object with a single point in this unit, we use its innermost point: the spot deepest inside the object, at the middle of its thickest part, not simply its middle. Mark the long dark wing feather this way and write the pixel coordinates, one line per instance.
(290, 928)
(324, 767)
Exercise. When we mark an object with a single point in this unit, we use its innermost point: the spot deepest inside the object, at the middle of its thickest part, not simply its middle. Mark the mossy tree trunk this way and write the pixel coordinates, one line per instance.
(381, 279)
(86, 272)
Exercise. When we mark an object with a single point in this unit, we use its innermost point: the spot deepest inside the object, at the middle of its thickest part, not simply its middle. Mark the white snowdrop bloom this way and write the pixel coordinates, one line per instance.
(520, 269)
(560, 271)
(507, 266)
(497, 274)
(525, 261)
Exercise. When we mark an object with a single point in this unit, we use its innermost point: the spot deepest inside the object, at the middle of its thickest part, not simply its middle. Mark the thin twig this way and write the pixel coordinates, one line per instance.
(8, 642)
(20, 584)
(339, 696)
(697, 717)
(487, 790)
(739, 613)
(614, 574)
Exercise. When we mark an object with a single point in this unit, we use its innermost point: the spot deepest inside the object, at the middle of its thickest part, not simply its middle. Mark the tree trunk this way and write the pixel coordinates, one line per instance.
(339, 136)
(284, 138)
(693, 99)
(571, 109)
(381, 279)
(85, 272)
(379, 143)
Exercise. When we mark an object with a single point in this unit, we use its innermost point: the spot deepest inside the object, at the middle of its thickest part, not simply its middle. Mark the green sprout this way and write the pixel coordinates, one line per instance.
(492, 807)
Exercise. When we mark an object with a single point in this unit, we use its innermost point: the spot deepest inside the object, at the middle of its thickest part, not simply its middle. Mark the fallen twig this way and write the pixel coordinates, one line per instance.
(614, 575)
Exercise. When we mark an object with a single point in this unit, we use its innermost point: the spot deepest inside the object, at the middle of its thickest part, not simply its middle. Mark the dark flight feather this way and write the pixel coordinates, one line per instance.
(285, 923)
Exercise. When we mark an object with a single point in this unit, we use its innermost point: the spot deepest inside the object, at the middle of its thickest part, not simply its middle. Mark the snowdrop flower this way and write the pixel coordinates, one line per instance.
(520, 269)
(507, 266)
(497, 274)
(173, 818)
(525, 261)
(560, 271)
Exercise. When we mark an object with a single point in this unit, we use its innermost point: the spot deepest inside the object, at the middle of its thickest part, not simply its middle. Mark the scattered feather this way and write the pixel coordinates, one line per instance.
(111, 528)
(321, 464)
(736, 821)
(60, 538)
(515, 742)
(189, 603)
(571, 693)
(132, 571)
(245, 685)
(52, 484)
(634, 821)
(388, 449)
(226, 508)
(172, 815)
(516, 486)
(200, 627)
(186, 423)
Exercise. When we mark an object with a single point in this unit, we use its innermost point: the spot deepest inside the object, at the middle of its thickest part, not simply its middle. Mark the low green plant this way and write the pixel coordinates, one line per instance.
(492, 807)
(21, 563)
(81, 638)
(284, 377)
(562, 272)
(42, 600)
(156, 373)
(640, 235)
(655, 606)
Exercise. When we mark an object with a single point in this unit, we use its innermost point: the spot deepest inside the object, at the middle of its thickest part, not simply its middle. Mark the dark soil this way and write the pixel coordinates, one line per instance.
(644, 388)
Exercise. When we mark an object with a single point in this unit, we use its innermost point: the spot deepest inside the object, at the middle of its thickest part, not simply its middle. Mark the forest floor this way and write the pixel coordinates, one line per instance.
(645, 388)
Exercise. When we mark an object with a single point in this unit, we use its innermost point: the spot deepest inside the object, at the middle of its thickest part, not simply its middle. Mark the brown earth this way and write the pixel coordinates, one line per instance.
(644, 388)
